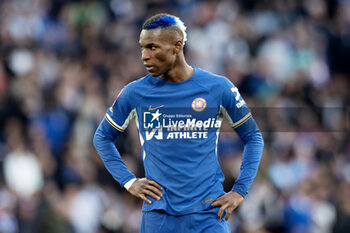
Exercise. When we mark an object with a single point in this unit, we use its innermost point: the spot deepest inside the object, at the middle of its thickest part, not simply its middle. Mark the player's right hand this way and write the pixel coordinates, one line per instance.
(142, 187)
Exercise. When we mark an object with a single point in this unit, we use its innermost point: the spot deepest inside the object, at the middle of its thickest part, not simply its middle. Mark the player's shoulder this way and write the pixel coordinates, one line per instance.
(138, 85)
(213, 80)
(140, 82)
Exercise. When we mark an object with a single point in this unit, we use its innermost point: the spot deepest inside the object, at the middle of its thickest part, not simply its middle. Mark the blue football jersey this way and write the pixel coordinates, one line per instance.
(178, 127)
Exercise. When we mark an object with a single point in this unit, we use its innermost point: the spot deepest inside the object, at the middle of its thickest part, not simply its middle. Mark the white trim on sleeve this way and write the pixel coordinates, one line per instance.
(128, 184)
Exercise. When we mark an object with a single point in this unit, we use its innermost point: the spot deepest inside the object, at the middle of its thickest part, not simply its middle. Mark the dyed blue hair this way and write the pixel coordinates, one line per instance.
(164, 21)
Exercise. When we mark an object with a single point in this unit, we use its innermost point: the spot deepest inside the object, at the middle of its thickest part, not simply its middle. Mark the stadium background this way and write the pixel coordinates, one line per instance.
(62, 63)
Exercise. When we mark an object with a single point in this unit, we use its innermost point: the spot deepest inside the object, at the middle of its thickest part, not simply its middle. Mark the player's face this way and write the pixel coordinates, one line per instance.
(158, 51)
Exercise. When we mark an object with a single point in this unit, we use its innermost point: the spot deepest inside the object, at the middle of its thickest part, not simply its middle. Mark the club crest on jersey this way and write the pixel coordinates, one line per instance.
(199, 104)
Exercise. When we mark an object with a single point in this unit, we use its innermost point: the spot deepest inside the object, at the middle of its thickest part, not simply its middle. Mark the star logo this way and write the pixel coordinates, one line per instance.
(156, 115)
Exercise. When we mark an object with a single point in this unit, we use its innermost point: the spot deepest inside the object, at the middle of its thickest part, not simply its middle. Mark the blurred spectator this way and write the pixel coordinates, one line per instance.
(22, 169)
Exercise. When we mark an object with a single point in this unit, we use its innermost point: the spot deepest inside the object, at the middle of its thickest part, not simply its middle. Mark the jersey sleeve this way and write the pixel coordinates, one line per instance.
(240, 118)
(122, 110)
(234, 107)
(116, 120)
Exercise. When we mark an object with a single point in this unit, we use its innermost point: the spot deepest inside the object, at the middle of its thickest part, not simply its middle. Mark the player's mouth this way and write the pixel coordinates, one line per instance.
(150, 67)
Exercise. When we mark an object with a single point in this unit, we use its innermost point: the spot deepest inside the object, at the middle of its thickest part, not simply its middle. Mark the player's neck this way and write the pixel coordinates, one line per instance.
(179, 73)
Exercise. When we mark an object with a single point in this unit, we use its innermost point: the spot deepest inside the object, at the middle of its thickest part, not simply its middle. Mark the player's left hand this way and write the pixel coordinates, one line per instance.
(229, 201)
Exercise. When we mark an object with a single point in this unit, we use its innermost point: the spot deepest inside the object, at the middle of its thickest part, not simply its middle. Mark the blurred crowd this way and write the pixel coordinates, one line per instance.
(63, 62)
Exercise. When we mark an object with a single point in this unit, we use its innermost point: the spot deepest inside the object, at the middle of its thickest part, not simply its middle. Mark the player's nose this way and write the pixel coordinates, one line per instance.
(145, 55)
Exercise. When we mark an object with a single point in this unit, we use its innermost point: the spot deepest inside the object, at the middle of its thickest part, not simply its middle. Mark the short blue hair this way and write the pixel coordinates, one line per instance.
(164, 21)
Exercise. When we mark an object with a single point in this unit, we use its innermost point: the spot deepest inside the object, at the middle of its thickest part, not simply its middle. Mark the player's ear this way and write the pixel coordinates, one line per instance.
(177, 47)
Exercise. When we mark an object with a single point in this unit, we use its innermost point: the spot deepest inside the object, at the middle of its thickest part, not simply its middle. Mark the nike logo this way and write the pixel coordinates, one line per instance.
(151, 109)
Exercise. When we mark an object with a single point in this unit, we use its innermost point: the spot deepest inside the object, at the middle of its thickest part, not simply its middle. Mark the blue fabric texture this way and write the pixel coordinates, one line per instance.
(205, 221)
(178, 126)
